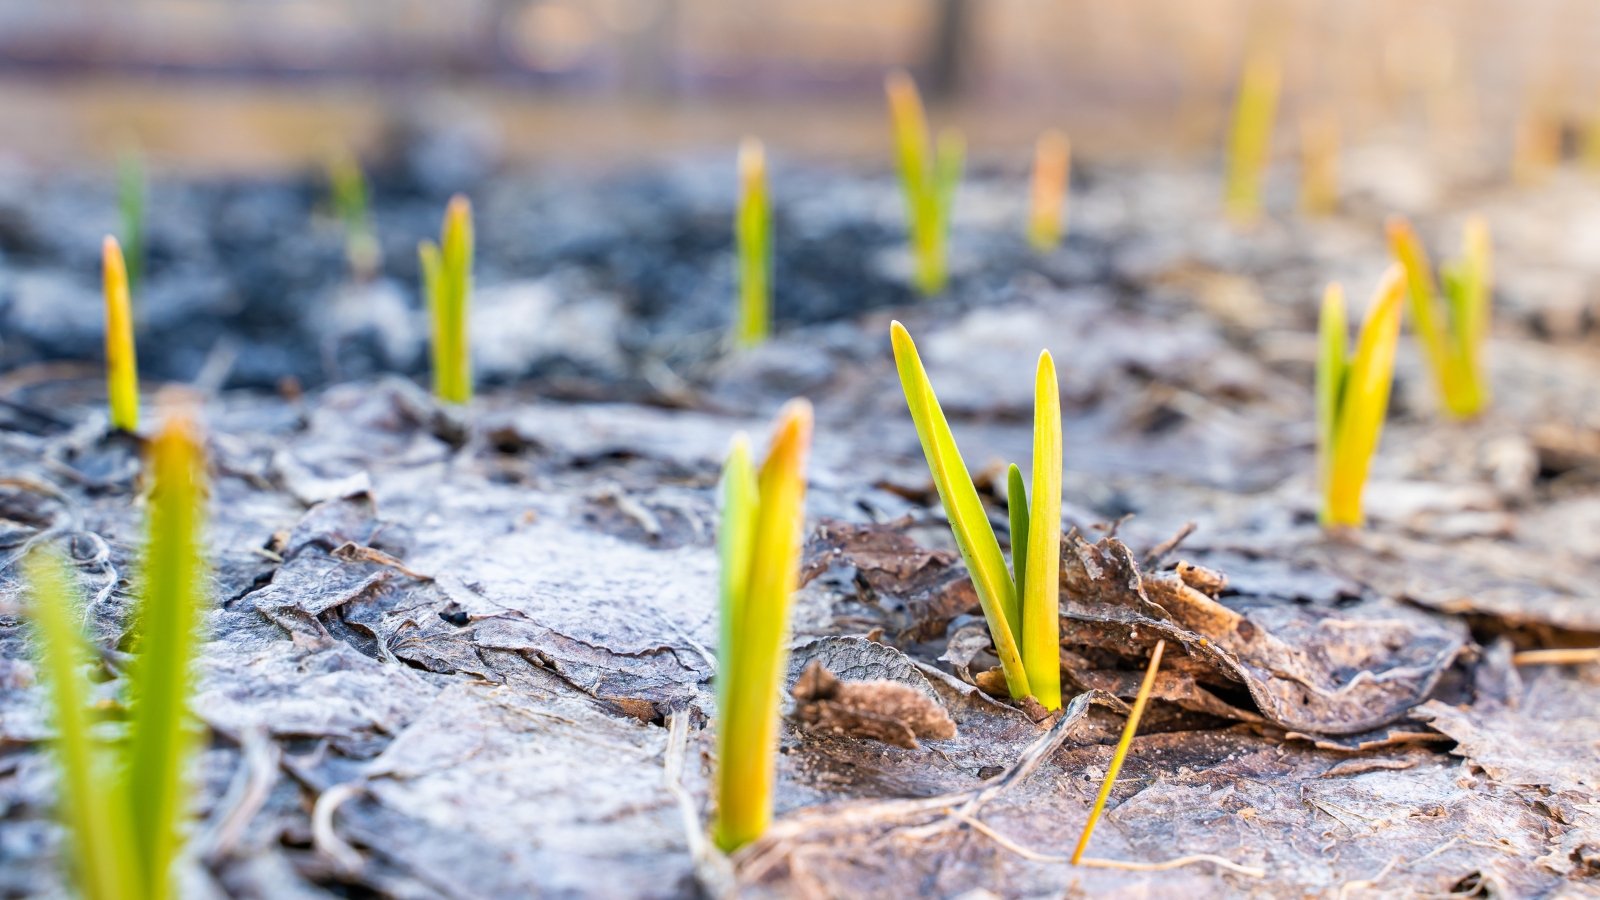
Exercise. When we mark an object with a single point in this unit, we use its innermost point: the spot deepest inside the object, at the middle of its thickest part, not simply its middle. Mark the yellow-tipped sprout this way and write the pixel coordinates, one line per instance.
(763, 511)
(1319, 164)
(122, 367)
(347, 187)
(124, 803)
(1023, 624)
(928, 177)
(1047, 198)
(1250, 139)
(1117, 756)
(753, 233)
(447, 285)
(1451, 342)
(1353, 396)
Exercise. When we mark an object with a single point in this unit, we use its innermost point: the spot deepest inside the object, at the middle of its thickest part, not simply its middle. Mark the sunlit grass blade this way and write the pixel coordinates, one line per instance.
(1363, 403)
(130, 205)
(968, 520)
(122, 367)
(1319, 163)
(1451, 342)
(1047, 196)
(347, 187)
(1117, 756)
(928, 180)
(753, 232)
(1250, 139)
(447, 287)
(1041, 615)
(102, 850)
(159, 679)
(772, 509)
(1332, 368)
(1468, 284)
(1017, 510)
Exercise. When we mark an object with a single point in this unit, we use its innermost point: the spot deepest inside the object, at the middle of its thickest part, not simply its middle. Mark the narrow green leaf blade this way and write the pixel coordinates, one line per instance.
(753, 233)
(1041, 604)
(1017, 510)
(1365, 401)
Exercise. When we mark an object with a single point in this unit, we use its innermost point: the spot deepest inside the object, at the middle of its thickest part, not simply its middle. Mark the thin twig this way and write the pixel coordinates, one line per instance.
(1095, 863)
(248, 793)
(323, 836)
(1160, 551)
(1117, 756)
(1558, 657)
(711, 867)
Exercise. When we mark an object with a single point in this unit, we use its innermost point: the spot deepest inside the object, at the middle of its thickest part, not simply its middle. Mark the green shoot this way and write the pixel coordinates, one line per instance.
(1017, 510)
(1319, 164)
(347, 187)
(130, 203)
(1117, 756)
(1453, 347)
(753, 231)
(1020, 623)
(122, 367)
(1250, 139)
(763, 511)
(124, 806)
(928, 178)
(447, 286)
(1052, 160)
(1353, 396)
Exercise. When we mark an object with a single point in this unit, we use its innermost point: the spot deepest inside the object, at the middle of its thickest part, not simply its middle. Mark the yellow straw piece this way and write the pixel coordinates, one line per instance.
(122, 368)
(1128, 730)
(1052, 160)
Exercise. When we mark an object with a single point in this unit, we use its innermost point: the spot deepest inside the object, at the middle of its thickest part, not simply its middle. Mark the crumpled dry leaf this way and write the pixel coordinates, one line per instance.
(879, 709)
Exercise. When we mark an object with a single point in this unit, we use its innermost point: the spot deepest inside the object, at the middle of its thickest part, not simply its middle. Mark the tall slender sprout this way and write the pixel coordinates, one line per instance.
(929, 174)
(1319, 163)
(124, 804)
(1052, 161)
(1121, 753)
(131, 185)
(753, 232)
(1024, 624)
(763, 510)
(1453, 346)
(122, 367)
(1353, 396)
(347, 188)
(1250, 139)
(447, 285)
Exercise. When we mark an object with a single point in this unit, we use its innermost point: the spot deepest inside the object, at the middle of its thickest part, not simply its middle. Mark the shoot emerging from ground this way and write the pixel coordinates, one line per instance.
(347, 188)
(1023, 621)
(1353, 396)
(928, 178)
(130, 205)
(1319, 164)
(1052, 161)
(763, 511)
(1121, 752)
(124, 804)
(447, 287)
(1250, 139)
(1453, 346)
(122, 367)
(753, 231)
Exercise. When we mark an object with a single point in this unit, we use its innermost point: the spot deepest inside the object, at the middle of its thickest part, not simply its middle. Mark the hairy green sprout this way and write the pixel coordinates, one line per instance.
(1353, 396)
(122, 367)
(131, 185)
(1453, 346)
(447, 286)
(753, 233)
(1047, 200)
(347, 188)
(763, 510)
(1250, 138)
(929, 174)
(124, 804)
(1022, 604)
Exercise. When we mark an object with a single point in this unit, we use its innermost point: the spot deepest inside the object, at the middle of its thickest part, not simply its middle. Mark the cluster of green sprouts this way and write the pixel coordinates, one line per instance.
(929, 175)
(1452, 340)
(1021, 604)
(1047, 199)
(759, 541)
(447, 287)
(124, 802)
(752, 230)
(1353, 395)
(347, 189)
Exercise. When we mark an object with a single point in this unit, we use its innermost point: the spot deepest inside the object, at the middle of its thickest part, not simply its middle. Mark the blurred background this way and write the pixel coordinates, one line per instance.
(259, 85)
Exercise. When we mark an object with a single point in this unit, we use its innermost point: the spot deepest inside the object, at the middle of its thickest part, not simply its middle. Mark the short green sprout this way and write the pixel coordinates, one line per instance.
(763, 511)
(447, 286)
(1052, 161)
(1117, 756)
(1453, 347)
(753, 232)
(1250, 139)
(124, 804)
(130, 204)
(122, 368)
(928, 178)
(347, 189)
(1022, 605)
(1353, 395)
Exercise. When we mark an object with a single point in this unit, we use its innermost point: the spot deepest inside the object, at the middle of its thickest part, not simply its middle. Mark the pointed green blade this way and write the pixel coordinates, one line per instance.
(753, 235)
(1041, 602)
(968, 520)
(1017, 511)
(1365, 401)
